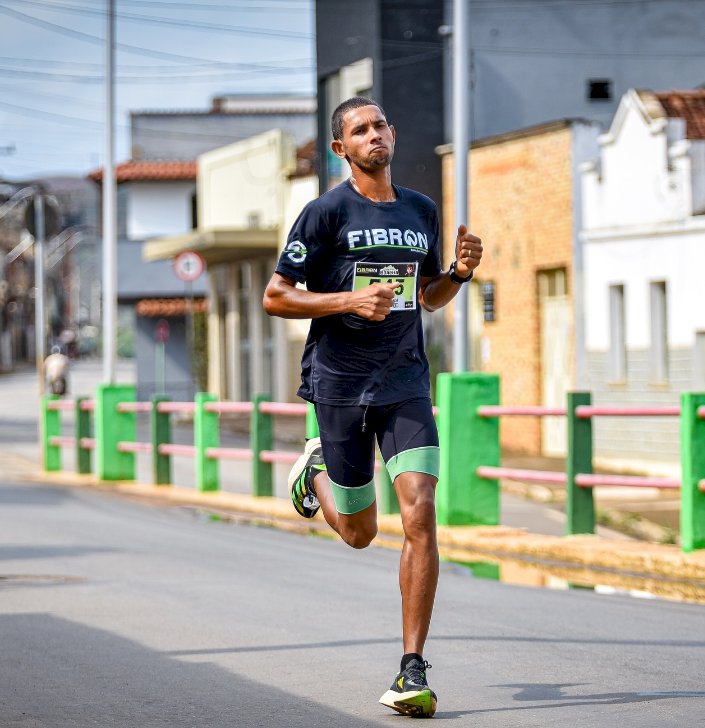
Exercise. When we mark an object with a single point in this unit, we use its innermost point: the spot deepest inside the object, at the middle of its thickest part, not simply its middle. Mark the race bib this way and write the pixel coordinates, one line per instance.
(404, 274)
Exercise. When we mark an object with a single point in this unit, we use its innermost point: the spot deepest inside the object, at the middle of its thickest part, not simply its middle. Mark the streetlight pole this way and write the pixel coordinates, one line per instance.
(461, 116)
(39, 314)
(109, 208)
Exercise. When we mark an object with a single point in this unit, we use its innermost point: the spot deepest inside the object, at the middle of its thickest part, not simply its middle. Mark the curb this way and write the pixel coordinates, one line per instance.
(585, 560)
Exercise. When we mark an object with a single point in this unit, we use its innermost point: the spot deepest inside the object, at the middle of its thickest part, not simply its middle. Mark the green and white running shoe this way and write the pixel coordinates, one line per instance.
(410, 694)
(303, 494)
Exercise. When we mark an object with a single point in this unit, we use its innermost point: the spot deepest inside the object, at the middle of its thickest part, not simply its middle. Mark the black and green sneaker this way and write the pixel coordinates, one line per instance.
(303, 494)
(410, 694)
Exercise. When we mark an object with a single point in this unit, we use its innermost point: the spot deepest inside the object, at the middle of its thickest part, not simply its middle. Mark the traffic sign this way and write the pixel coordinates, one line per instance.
(189, 265)
(161, 331)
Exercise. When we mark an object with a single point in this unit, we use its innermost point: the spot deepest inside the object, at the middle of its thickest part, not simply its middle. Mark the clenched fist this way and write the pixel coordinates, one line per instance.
(373, 302)
(468, 252)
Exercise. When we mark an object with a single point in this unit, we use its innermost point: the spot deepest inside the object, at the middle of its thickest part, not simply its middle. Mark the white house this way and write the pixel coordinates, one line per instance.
(644, 267)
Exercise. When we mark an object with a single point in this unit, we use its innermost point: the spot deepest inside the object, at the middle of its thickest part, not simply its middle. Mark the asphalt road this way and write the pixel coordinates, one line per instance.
(119, 613)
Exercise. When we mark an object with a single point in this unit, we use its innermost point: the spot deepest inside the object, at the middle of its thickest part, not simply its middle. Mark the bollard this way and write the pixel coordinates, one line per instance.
(261, 438)
(693, 471)
(206, 434)
(311, 421)
(579, 503)
(112, 427)
(467, 441)
(51, 427)
(160, 431)
(388, 501)
(82, 428)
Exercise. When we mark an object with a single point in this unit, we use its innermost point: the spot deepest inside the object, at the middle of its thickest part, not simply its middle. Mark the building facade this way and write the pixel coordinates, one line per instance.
(644, 251)
(525, 300)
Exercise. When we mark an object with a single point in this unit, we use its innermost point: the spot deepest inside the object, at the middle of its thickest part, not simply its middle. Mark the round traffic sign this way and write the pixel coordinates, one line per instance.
(189, 265)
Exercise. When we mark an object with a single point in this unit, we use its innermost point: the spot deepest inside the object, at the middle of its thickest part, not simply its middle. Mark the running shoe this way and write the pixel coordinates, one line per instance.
(410, 694)
(303, 494)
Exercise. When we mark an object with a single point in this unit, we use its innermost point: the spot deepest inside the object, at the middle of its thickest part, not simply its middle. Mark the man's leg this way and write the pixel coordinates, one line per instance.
(356, 529)
(418, 567)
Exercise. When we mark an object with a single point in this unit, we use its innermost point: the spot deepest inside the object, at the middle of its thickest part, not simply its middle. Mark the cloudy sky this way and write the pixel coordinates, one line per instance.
(171, 54)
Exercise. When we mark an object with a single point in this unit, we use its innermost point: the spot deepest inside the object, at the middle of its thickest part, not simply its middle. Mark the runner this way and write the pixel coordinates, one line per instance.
(369, 254)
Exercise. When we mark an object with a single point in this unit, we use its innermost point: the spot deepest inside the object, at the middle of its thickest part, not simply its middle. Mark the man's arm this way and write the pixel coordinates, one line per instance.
(436, 292)
(283, 298)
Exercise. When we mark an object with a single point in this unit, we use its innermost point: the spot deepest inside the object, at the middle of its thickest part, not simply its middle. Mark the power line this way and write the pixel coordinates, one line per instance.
(191, 24)
(87, 37)
(255, 66)
(182, 78)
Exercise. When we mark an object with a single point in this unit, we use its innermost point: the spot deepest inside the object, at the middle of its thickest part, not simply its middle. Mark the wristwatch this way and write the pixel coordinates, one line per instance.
(455, 277)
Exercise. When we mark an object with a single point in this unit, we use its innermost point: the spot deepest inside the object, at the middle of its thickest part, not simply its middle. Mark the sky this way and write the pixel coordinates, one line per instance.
(171, 54)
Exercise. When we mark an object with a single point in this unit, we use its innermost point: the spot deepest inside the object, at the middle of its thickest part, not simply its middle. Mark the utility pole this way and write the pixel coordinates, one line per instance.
(39, 314)
(461, 116)
(109, 208)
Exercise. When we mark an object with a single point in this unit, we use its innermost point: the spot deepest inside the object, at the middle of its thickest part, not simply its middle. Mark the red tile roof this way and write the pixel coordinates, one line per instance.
(169, 307)
(688, 105)
(147, 171)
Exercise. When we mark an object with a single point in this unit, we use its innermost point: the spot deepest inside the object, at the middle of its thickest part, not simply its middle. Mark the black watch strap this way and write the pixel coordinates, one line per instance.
(455, 277)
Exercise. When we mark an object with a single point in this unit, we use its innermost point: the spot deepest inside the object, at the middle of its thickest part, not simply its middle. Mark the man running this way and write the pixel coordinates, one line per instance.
(369, 254)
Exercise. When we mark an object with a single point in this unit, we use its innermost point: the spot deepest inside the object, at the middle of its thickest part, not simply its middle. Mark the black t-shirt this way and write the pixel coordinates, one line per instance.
(343, 241)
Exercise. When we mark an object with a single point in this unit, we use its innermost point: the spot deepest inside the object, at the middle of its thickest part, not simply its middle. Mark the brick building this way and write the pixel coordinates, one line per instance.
(525, 320)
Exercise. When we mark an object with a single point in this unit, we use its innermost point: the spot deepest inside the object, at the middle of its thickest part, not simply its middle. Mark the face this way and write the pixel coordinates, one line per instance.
(368, 141)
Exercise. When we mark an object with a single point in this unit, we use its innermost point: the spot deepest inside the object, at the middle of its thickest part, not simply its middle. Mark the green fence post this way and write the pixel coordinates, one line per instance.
(311, 422)
(160, 431)
(579, 502)
(82, 428)
(388, 501)
(261, 438)
(51, 427)
(206, 434)
(692, 472)
(112, 427)
(467, 441)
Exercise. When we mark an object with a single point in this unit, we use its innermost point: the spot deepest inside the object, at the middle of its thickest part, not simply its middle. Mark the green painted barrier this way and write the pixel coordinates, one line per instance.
(311, 421)
(206, 433)
(50, 427)
(160, 434)
(112, 427)
(261, 438)
(467, 441)
(692, 472)
(388, 501)
(82, 428)
(579, 503)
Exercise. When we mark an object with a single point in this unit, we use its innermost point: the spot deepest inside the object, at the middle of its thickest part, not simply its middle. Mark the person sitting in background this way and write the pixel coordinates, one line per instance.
(56, 367)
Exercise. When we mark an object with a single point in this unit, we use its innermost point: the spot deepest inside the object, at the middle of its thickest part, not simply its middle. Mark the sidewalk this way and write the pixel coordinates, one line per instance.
(528, 545)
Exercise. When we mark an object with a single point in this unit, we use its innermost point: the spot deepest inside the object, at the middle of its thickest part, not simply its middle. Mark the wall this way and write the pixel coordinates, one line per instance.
(639, 229)
(244, 179)
(521, 199)
(158, 208)
(186, 136)
(532, 60)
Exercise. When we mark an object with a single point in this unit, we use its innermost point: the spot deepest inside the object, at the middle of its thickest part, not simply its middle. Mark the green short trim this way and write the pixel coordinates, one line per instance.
(417, 460)
(353, 500)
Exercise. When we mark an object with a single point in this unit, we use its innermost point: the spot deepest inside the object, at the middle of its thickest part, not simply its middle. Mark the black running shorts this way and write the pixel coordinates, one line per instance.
(407, 437)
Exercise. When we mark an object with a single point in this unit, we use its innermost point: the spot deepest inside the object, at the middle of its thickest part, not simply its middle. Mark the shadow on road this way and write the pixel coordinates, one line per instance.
(67, 674)
(557, 697)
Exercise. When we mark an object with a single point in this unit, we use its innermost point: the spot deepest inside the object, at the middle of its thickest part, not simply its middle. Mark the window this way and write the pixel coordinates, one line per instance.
(599, 89)
(658, 363)
(618, 349)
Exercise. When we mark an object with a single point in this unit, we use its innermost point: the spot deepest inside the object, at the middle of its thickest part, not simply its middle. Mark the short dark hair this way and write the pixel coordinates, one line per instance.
(356, 102)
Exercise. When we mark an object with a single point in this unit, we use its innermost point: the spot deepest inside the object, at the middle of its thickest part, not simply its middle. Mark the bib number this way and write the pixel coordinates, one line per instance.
(403, 274)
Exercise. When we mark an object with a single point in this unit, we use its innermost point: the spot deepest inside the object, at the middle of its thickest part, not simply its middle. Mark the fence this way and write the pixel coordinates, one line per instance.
(468, 416)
